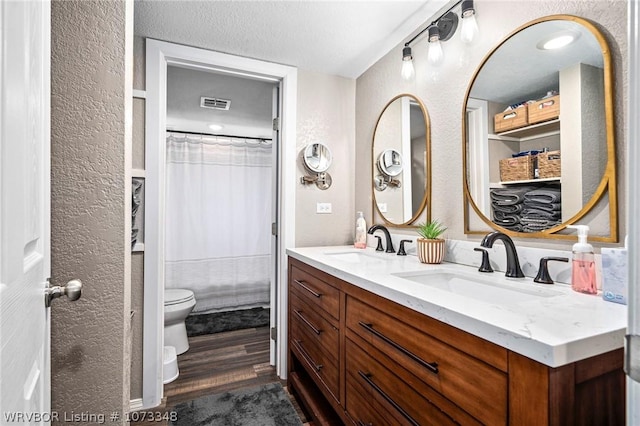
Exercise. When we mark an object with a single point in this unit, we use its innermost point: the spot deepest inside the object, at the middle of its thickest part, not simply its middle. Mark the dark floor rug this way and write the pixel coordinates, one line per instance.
(199, 324)
(266, 405)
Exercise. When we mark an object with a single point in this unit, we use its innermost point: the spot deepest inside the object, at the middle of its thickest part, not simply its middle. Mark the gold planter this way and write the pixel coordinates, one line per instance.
(430, 251)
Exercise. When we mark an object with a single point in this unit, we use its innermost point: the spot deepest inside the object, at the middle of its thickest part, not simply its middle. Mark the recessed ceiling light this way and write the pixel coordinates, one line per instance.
(558, 40)
(215, 127)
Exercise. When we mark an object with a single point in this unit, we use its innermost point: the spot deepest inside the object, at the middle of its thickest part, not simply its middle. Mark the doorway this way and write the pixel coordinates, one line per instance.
(159, 57)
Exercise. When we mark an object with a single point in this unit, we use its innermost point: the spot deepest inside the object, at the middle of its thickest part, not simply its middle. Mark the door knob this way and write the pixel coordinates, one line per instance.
(73, 291)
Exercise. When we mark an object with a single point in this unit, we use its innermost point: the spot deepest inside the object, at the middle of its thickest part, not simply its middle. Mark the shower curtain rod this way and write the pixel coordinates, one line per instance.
(223, 136)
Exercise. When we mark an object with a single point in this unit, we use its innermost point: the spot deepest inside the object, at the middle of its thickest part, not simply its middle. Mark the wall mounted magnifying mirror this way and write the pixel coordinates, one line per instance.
(538, 133)
(401, 157)
(316, 158)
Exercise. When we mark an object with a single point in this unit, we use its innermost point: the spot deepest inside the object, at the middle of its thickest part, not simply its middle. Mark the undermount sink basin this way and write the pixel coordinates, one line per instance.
(355, 256)
(482, 289)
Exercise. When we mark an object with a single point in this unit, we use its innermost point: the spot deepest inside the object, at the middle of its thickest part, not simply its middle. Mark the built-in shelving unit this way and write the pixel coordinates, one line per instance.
(527, 181)
(139, 245)
(532, 132)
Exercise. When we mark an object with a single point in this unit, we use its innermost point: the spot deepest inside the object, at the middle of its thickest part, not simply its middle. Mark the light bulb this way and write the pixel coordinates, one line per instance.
(407, 69)
(435, 54)
(469, 28)
(407, 63)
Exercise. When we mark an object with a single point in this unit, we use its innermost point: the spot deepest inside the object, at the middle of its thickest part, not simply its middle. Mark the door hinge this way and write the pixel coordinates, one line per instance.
(276, 124)
(274, 229)
(274, 333)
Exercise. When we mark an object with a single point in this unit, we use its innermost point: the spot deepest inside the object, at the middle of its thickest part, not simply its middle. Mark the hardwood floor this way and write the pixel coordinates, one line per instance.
(221, 362)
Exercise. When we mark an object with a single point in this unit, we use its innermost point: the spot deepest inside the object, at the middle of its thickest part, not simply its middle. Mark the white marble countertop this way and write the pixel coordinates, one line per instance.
(556, 330)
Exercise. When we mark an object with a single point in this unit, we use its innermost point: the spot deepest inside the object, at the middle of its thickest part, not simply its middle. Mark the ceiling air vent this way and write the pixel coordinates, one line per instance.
(214, 103)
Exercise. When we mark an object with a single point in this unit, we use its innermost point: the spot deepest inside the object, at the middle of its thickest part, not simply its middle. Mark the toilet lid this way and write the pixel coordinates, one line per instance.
(173, 296)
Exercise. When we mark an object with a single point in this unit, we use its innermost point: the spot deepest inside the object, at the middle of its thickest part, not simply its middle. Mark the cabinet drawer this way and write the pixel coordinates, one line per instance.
(316, 363)
(390, 396)
(313, 325)
(473, 385)
(362, 410)
(315, 291)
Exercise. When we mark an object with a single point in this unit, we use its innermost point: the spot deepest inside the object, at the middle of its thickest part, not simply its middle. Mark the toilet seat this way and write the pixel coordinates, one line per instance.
(175, 296)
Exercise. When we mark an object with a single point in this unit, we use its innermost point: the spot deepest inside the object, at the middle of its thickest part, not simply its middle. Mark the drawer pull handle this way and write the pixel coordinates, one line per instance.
(307, 357)
(367, 378)
(361, 423)
(431, 366)
(306, 321)
(303, 285)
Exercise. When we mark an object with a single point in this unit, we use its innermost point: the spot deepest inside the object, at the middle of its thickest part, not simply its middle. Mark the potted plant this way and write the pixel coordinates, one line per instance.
(430, 246)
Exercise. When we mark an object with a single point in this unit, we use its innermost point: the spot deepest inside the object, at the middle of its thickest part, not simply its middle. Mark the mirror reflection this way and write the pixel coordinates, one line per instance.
(317, 157)
(400, 153)
(390, 162)
(537, 145)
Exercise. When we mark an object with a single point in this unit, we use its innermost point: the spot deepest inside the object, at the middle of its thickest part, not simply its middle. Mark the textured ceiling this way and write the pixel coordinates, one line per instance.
(334, 37)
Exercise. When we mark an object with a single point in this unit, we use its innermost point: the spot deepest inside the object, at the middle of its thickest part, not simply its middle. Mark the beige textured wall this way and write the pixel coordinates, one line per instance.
(90, 203)
(326, 114)
(443, 90)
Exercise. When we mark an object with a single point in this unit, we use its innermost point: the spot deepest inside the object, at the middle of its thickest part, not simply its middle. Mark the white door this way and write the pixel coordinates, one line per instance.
(24, 211)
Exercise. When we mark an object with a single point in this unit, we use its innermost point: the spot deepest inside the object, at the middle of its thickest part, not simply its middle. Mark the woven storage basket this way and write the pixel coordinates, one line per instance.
(517, 168)
(549, 164)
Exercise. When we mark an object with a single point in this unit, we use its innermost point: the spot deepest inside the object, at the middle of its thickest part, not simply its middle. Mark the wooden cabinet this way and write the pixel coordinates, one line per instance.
(360, 359)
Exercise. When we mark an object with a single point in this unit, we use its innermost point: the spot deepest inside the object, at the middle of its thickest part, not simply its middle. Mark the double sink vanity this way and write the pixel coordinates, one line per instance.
(379, 339)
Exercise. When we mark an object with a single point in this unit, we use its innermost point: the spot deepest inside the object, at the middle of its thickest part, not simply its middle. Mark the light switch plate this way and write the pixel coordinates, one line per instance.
(323, 208)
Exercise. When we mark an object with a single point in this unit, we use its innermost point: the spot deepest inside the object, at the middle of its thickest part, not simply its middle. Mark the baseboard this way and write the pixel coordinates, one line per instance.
(136, 404)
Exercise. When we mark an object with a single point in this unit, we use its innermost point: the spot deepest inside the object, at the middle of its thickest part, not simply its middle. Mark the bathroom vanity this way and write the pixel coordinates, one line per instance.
(379, 339)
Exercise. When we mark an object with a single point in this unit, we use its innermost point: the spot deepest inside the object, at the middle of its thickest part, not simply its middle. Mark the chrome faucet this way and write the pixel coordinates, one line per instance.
(513, 264)
(374, 228)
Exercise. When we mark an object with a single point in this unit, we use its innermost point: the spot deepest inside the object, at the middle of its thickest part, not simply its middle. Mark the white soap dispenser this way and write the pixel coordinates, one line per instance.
(583, 268)
(360, 240)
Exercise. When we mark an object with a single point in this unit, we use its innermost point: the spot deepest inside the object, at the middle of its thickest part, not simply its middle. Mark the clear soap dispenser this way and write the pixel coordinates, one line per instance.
(360, 240)
(583, 268)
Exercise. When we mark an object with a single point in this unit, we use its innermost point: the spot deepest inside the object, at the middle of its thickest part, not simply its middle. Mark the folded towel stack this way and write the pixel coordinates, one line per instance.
(542, 209)
(526, 208)
(507, 205)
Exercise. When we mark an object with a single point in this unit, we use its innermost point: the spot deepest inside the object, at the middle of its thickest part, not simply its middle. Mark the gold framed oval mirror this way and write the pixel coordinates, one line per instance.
(538, 132)
(401, 161)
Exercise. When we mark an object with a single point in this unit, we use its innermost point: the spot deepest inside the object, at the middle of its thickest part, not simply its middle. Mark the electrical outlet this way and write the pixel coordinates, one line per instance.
(323, 208)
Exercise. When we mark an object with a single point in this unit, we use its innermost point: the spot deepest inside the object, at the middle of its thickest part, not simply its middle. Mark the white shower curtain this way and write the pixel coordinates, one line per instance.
(218, 220)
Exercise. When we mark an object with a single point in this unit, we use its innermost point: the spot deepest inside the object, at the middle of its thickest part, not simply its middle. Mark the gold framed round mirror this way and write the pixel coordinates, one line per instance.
(538, 132)
(401, 161)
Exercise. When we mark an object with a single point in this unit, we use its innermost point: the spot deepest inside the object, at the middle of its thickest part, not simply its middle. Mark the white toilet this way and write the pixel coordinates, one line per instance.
(178, 303)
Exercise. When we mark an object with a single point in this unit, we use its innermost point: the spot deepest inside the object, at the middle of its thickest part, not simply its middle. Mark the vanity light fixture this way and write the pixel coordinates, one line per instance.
(442, 29)
(469, 27)
(407, 63)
